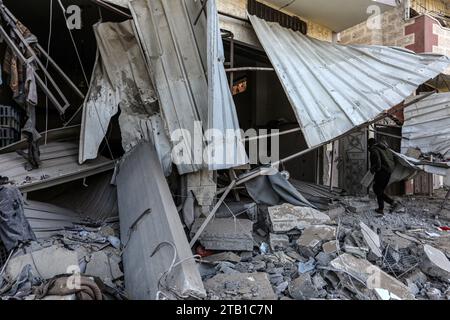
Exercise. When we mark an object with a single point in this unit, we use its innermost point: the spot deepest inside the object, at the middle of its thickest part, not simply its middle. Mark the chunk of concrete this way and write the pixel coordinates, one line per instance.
(226, 234)
(46, 263)
(372, 240)
(286, 217)
(223, 256)
(302, 288)
(369, 274)
(435, 263)
(278, 241)
(241, 286)
(104, 266)
(309, 243)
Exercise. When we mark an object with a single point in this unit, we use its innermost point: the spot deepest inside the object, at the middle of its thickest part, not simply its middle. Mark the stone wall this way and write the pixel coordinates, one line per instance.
(386, 29)
(245, 33)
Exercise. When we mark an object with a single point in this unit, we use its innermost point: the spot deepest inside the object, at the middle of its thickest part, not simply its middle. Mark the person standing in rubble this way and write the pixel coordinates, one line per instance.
(382, 164)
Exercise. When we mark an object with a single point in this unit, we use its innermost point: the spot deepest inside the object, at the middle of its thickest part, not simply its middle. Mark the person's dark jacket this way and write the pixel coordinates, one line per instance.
(381, 158)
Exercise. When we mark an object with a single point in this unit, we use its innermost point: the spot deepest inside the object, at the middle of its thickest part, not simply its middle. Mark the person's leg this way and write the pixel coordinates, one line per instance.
(378, 190)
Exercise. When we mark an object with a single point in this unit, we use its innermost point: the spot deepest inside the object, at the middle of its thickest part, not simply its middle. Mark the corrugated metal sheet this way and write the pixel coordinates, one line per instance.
(149, 220)
(120, 80)
(334, 88)
(176, 51)
(427, 125)
(47, 220)
(59, 165)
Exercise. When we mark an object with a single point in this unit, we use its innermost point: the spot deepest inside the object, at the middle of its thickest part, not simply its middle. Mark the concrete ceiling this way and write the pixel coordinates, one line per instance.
(337, 15)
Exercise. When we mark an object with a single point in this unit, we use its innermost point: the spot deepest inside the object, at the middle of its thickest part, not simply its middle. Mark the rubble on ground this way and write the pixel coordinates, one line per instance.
(355, 254)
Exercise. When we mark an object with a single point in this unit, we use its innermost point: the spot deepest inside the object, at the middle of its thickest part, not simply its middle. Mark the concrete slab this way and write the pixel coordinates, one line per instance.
(435, 263)
(226, 234)
(330, 247)
(149, 220)
(369, 274)
(241, 286)
(46, 263)
(287, 217)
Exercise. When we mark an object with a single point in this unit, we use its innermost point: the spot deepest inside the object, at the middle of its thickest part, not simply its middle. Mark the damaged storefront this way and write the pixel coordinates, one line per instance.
(170, 150)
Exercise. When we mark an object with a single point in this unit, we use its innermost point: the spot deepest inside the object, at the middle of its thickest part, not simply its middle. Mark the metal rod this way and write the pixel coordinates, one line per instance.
(249, 69)
(112, 8)
(24, 60)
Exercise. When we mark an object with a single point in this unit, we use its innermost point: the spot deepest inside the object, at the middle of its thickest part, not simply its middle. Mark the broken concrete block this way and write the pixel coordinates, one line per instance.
(369, 274)
(302, 288)
(356, 251)
(278, 241)
(435, 263)
(247, 286)
(312, 237)
(281, 287)
(226, 234)
(335, 212)
(104, 266)
(223, 256)
(287, 217)
(372, 240)
(46, 263)
(361, 206)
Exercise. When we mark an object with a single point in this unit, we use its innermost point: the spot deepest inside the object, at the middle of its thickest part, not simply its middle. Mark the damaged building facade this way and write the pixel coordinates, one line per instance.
(217, 149)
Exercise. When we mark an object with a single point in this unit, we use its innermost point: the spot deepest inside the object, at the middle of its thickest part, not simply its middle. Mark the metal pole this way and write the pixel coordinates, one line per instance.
(249, 69)
(231, 62)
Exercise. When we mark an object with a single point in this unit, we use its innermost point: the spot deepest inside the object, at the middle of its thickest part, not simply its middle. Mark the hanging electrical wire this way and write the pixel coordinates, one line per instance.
(49, 41)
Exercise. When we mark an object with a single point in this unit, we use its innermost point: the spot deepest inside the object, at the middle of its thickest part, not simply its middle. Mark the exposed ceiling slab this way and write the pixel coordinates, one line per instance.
(337, 15)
